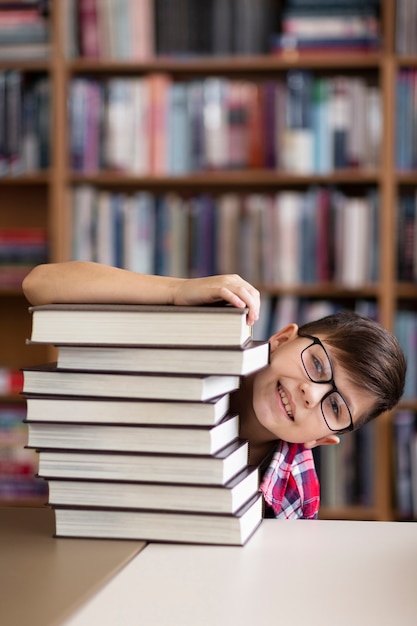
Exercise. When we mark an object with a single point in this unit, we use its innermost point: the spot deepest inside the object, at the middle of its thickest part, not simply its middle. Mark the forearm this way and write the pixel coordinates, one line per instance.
(83, 281)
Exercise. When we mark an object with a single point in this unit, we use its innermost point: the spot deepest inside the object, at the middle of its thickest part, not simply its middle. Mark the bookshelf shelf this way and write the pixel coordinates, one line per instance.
(230, 178)
(350, 513)
(331, 290)
(406, 290)
(42, 178)
(230, 64)
(7, 292)
(42, 198)
(406, 61)
(405, 178)
(26, 65)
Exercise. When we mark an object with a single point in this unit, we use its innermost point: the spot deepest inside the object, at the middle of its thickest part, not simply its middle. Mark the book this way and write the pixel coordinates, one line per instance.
(404, 429)
(227, 498)
(133, 324)
(17, 464)
(113, 437)
(11, 381)
(87, 15)
(178, 130)
(236, 362)
(163, 526)
(413, 467)
(106, 410)
(215, 469)
(47, 379)
(298, 139)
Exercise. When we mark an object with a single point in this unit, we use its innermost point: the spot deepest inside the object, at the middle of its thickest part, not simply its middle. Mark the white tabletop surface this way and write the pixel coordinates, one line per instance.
(290, 572)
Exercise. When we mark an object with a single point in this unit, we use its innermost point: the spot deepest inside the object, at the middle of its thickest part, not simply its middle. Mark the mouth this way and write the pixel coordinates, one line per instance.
(285, 402)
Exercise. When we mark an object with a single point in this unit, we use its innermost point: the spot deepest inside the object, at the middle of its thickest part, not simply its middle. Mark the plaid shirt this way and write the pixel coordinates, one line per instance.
(290, 485)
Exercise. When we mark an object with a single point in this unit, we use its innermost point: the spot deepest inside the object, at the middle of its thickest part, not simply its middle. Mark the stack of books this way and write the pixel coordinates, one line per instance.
(133, 425)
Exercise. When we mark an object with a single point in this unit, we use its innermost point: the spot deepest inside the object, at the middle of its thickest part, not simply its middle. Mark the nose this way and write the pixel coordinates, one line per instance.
(312, 393)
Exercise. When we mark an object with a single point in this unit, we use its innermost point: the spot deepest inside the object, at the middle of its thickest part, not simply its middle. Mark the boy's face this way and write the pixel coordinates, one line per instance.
(288, 404)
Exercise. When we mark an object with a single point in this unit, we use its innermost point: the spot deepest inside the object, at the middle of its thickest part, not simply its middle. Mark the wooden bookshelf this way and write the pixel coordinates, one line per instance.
(42, 198)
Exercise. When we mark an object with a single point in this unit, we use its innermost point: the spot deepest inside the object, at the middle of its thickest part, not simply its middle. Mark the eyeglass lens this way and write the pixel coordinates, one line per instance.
(319, 370)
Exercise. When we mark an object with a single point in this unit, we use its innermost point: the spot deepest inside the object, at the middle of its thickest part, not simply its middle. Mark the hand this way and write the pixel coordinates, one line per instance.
(229, 287)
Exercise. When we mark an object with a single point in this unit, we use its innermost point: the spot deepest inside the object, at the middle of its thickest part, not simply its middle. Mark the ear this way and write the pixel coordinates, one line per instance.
(283, 335)
(328, 440)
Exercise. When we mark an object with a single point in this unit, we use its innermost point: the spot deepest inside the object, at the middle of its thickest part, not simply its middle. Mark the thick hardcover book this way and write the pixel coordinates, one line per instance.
(159, 439)
(227, 361)
(144, 325)
(227, 498)
(216, 469)
(47, 379)
(88, 410)
(166, 526)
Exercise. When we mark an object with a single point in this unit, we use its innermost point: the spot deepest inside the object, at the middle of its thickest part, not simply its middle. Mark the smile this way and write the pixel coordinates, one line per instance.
(285, 402)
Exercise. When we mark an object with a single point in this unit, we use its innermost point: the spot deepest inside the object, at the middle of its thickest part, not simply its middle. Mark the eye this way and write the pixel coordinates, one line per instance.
(317, 367)
(334, 406)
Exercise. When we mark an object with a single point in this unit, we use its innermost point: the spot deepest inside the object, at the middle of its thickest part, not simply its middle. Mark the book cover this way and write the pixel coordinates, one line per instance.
(215, 122)
(404, 429)
(158, 123)
(139, 233)
(178, 130)
(88, 28)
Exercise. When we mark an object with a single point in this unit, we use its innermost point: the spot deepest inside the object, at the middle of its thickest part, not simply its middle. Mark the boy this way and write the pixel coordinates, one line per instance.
(325, 378)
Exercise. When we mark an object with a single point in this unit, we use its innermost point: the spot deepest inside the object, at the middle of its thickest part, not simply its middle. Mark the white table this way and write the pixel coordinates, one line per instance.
(290, 573)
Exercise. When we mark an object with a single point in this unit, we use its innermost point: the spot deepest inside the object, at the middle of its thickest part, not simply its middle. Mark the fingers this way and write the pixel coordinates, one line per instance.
(241, 294)
(229, 287)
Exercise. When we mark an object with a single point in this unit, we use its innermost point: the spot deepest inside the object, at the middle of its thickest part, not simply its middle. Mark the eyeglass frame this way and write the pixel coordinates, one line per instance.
(316, 341)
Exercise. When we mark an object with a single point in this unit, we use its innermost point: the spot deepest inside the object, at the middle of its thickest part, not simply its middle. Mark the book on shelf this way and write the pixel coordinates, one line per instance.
(178, 130)
(24, 122)
(86, 14)
(322, 45)
(298, 139)
(156, 325)
(228, 498)
(24, 31)
(215, 122)
(353, 26)
(413, 465)
(87, 410)
(222, 123)
(20, 250)
(166, 526)
(405, 28)
(404, 427)
(214, 469)
(44, 379)
(229, 362)
(124, 438)
(11, 381)
(17, 464)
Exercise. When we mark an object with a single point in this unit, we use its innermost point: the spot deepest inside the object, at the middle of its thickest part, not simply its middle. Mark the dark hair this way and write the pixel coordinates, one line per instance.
(369, 353)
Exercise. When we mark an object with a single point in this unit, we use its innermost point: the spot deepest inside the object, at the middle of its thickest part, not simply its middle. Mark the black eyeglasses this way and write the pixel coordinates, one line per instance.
(318, 367)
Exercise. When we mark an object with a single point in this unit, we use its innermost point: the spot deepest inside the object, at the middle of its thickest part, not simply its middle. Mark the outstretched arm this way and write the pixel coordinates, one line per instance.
(85, 281)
